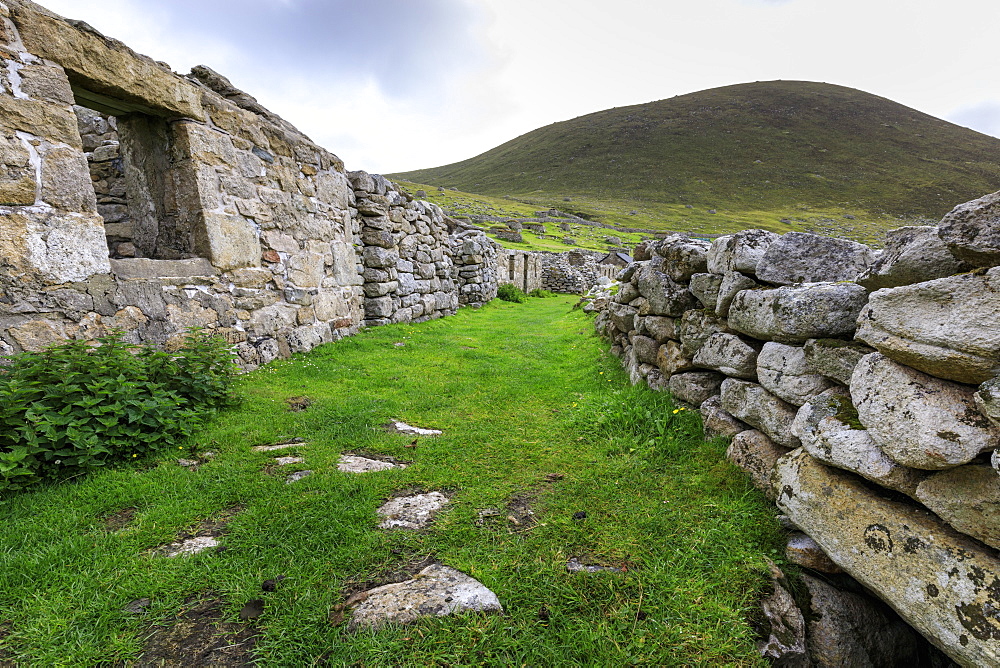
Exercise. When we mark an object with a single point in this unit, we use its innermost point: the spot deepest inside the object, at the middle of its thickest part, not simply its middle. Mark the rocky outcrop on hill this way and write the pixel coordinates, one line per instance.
(860, 389)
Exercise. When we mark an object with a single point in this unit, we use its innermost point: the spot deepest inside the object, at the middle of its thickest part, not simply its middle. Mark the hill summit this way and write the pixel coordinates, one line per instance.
(763, 146)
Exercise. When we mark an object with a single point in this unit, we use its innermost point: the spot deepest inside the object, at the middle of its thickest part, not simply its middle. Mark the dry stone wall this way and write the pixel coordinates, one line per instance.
(861, 391)
(574, 272)
(135, 199)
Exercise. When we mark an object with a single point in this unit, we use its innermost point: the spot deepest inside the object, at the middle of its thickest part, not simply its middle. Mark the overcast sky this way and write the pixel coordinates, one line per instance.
(394, 85)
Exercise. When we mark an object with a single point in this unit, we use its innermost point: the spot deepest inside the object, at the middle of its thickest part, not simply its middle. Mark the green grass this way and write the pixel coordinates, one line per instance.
(756, 153)
(521, 391)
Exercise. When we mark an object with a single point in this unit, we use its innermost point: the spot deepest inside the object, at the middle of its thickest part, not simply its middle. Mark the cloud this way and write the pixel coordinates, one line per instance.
(983, 117)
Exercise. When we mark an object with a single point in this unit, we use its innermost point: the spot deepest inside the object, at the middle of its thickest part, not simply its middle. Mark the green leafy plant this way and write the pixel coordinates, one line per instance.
(511, 293)
(77, 407)
(538, 292)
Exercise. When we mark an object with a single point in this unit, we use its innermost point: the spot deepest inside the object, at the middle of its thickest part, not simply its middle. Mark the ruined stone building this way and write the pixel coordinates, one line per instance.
(135, 199)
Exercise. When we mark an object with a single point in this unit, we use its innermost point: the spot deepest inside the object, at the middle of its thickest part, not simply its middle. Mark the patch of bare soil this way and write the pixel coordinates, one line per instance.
(6, 656)
(518, 514)
(298, 404)
(119, 520)
(199, 637)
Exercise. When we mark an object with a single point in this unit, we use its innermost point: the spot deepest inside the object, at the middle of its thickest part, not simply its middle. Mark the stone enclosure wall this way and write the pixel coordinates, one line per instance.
(860, 391)
(135, 199)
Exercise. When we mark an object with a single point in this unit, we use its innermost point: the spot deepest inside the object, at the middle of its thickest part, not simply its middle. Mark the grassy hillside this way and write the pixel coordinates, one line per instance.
(814, 154)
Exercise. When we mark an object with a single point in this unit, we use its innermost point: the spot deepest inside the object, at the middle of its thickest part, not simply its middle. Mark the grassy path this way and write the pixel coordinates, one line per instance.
(521, 391)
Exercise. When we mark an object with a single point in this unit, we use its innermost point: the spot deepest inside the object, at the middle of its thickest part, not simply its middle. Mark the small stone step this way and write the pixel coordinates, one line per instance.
(188, 547)
(285, 461)
(437, 590)
(403, 428)
(411, 512)
(294, 443)
(298, 475)
(356, 464)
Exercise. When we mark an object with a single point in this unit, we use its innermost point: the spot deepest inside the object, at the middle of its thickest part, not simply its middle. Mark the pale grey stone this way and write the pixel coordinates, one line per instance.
(799, 257)
(622, 316)
(795, 314)
(660, 327)
(733, 282)
(756, 454)
(574, 565)
(972, 231)
(912, 255)
(356, 464)
(739, 252)
(187, 547)
(411, 512)
(848, 629)
(939, 581)
(285, 461)
(830, 431)
(645, 349)
(435, 591)
(782, 370)
(695, 387)
(729, 354)
(761, 409)
(278, 446)
(298, 475)
(682, 256)
(918, 420)
(835, 358)
(717, 422)
(967, 498)
(705, 288)
(946, 327)
(665, 297)
(696, 326)
(627, 293)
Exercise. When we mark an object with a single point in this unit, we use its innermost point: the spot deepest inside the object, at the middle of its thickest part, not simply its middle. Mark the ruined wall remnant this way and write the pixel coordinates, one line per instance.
(574, 272)
(133, 198)
(862, 393)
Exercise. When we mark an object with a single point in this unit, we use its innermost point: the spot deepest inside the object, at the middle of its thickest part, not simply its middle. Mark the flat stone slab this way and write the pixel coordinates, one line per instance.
(298, 475)
(278, 446)
(285, 461)
(411, 512)
(403, 428)
(356, 464)
(187, 547)
(574, 565)
(436, 591)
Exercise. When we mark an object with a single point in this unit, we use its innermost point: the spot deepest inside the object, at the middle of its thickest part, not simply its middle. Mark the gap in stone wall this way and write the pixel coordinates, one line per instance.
(133, 178)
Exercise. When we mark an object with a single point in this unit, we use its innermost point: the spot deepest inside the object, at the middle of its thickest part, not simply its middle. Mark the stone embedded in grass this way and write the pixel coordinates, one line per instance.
(403, 428)
(356, 464)
(411, 512)
(187, 547)
(574, 565)
(298, 475)
(285, 461)
(188, 463)
(436, 591)
(295, 442)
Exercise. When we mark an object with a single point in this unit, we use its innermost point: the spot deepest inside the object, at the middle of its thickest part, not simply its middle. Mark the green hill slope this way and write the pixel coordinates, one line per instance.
(769, 147)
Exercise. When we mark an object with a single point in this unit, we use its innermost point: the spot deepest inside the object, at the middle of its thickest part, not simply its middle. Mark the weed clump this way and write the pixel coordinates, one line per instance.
(73, 408)
(538, 292)
(511, 293)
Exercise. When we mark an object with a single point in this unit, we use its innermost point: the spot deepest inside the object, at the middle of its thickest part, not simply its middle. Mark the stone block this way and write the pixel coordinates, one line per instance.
(798, 313)
(695, 387)
(732, 284)
(761, 409)
(967, 498)
(696, 326)
(919, 420)
(705, 288)
(717, 421)
(834, 358)
(729, 354)
(972, 231)
(941, 582)
(756, 454)
(799, 257)
(665, 296)
(945, 327)
(739, 252)
(670, 359)
(783, 371)
(229, 242)
(682, 256)
(912, 255)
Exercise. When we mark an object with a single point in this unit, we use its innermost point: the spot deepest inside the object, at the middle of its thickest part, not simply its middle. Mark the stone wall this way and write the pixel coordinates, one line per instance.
(860, 391)
(574, 272)
(133, 198)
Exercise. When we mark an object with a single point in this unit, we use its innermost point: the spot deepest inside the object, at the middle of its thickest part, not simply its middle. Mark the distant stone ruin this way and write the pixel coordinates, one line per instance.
(861, 393)
(135, 199)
